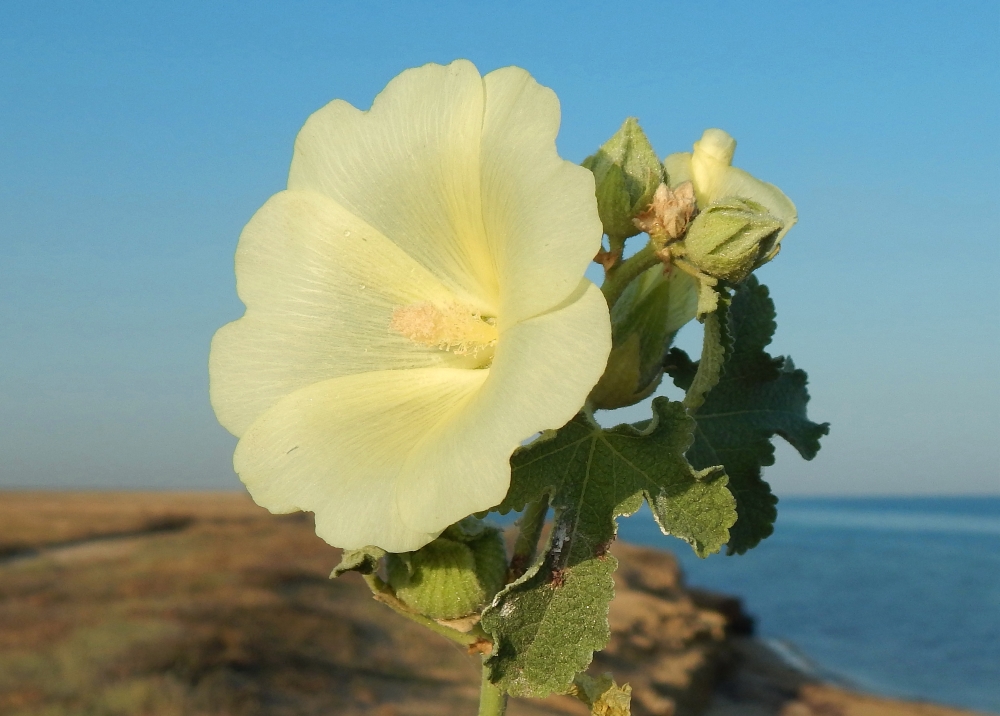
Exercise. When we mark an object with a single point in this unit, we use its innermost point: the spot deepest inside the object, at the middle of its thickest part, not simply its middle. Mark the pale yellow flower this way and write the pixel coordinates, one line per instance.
(416, 307)
(709, 168)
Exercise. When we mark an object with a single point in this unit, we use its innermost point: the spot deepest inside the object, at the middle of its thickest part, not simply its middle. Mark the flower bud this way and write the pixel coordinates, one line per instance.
(731, 238)
(627, 173)
(709, 169)
(453, 576)
(644, 321)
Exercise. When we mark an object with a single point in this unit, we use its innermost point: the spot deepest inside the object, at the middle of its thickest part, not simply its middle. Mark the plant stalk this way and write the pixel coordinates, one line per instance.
(620, 276)
(529, 530)
(492, 699)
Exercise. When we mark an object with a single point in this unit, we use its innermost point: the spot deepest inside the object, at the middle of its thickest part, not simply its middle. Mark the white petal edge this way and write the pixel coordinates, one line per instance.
(338, 449)
(539, 211)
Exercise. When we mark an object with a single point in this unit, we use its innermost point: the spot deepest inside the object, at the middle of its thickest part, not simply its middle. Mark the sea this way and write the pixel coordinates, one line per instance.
(893, 596)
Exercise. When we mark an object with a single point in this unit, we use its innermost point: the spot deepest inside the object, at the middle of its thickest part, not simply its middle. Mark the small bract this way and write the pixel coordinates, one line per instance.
(415, 307)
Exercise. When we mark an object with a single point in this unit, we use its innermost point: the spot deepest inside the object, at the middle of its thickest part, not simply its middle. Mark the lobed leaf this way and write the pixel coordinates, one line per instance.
(757, 397)
(547, 624)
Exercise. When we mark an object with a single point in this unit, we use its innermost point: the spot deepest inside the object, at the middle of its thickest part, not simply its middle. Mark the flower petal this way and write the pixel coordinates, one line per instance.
(736, 182)
(320, 286)
(338, 448)
(720, 180)
(678, 168)
(541, 374)
(539, 210)
(409, 166)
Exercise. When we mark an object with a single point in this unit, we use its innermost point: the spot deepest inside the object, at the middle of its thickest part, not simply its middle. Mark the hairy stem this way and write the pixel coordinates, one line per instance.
(616, 244)
(620, 276)
(475, 640)
(529, 530)
(492, 699)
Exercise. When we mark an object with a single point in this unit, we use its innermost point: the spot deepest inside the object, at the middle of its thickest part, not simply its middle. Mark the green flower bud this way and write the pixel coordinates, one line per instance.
(644, 321)
(453, 576)
(627, 173)
(731, 238)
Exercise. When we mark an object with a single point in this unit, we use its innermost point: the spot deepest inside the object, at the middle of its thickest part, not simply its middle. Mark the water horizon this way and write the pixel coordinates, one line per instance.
(897, 596)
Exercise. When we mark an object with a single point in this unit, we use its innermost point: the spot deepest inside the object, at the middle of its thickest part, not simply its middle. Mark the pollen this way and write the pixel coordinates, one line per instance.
(450, 327)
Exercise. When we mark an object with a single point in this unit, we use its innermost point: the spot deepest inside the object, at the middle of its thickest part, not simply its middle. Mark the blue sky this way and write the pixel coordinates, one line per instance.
(136, 139)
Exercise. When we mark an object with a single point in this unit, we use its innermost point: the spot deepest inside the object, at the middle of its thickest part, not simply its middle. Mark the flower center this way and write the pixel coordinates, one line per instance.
(451, 327)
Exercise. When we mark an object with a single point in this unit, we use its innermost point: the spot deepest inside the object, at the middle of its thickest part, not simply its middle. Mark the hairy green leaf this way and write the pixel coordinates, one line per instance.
(547, 624)
(757, 397)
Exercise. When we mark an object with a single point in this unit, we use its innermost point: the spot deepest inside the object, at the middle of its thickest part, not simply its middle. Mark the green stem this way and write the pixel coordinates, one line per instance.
(492, 699)
(529, 530)
(472, 640)
(616, 244)
(622, 275)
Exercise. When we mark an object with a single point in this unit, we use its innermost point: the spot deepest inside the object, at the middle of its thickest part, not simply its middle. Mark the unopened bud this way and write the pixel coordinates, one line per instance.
(730, 239)
(709, 168)
(644, 321)
(627, 173)
(453, 576)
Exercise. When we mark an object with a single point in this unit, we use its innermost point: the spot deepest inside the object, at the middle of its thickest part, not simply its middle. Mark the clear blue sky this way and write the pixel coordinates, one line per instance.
(137, 138)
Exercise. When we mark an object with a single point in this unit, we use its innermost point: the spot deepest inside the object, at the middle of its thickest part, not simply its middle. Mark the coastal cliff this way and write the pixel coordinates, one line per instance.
(204, 604)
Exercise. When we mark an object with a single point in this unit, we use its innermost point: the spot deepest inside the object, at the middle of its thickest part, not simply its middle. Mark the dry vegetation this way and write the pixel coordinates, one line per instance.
(38, 519)
(146, 604)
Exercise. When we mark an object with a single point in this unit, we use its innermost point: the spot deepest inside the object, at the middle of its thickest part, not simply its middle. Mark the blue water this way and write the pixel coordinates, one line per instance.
(899, 597)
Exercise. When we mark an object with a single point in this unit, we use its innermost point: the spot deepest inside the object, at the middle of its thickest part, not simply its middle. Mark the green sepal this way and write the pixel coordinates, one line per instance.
(363, 561)
(627, 172)
(603, 695)
(453, 576)
(757, 397)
